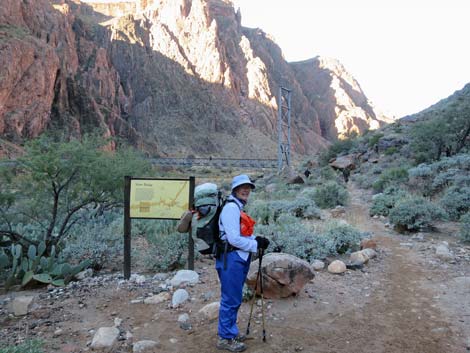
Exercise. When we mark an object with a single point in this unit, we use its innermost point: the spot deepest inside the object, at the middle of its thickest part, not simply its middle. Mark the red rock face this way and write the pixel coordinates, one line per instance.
(174, 77)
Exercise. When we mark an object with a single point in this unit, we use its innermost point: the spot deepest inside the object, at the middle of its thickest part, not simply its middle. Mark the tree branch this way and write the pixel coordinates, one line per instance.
(16, 237)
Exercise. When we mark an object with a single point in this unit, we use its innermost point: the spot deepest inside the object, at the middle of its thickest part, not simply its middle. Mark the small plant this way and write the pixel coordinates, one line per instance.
(414, 213)
(29, 346)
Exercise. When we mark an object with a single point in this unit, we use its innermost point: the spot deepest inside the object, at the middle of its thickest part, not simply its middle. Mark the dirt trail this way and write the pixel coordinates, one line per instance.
(397, 304)
(385, 308)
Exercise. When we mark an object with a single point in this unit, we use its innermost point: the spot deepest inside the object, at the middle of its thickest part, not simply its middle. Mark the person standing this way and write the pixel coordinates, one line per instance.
(233, 263)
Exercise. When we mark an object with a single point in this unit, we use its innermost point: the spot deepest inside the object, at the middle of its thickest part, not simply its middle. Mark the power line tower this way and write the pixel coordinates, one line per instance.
(283, 126)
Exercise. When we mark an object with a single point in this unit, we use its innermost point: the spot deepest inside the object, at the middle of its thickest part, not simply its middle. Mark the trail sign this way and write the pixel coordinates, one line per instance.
(155, 198)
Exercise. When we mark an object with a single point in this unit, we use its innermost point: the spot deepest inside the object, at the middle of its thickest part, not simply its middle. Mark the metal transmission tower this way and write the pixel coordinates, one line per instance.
(283, 126)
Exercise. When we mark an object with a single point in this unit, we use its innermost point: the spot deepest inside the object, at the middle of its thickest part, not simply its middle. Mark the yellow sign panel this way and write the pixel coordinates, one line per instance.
(158, 198)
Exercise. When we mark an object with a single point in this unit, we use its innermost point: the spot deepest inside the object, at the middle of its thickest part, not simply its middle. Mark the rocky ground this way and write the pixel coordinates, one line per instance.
(411, 298)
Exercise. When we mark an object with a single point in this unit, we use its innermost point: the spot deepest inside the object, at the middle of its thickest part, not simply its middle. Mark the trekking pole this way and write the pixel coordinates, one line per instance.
(253, 301)
(262, 293)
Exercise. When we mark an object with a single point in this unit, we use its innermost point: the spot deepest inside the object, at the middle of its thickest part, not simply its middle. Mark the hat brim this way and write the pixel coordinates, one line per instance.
(245, 183)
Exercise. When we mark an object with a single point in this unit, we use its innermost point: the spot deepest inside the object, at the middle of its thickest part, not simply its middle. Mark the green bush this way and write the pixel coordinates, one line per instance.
(166, 249)
(374, 139)
(383, 203)
(292, 237)
(414, 213)
(391, 176)
(166, 252)
(465, 227)
(330, 195)
(339, 238)
(99, 239)
(456, 201)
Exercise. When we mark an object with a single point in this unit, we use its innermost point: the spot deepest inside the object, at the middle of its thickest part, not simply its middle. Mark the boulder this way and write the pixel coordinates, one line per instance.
(283, 275)
(344, 162)
(296, 180)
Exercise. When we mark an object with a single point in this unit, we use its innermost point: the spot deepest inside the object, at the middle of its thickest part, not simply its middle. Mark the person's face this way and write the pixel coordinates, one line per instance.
(243, 192)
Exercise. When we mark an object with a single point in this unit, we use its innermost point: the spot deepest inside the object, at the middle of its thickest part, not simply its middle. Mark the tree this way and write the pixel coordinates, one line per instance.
(56, 182)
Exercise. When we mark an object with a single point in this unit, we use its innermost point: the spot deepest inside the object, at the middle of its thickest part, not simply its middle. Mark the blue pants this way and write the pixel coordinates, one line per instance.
(231, 284)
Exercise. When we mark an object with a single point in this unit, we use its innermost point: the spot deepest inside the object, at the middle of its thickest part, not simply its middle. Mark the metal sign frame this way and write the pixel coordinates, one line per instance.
(128, 221)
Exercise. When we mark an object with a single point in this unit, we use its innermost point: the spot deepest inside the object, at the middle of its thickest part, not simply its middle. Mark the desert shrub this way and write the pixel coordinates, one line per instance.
(465, 227)
(338, 238)
(456, 201)
(420, 179)
(303, 207)
(390, 177)
(166, 252)
(268, 212)
(292, 237)
(374, 139)
(29, 346)
(260, 211)
(330, 194)
(414, 213)
(98, 239)
(364, 181)
(391, 150)
(383, 203)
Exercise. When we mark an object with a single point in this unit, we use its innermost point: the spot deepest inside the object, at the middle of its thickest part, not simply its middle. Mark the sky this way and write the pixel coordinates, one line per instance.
(405, 54)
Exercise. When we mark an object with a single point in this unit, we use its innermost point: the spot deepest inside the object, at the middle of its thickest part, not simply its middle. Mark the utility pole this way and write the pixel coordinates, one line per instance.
(283, 126)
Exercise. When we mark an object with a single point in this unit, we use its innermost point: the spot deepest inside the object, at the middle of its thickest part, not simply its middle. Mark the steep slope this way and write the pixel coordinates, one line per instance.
(174, 77)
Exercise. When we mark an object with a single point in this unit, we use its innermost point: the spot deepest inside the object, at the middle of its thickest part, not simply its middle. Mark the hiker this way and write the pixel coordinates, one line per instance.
(233, 262)
(346, 173)
(307, 173)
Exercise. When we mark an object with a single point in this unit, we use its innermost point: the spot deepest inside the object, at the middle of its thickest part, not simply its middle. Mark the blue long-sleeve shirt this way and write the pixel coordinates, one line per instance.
(229, 226)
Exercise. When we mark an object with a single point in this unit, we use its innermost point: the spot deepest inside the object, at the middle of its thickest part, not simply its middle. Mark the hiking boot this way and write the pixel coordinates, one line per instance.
(232, 345)
(241, 338)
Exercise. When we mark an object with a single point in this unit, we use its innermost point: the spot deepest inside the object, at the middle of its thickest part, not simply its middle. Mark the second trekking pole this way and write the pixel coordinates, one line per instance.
(262, 292)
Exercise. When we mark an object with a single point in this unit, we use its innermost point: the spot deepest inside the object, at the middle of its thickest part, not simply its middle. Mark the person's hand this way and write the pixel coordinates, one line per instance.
(263, 242)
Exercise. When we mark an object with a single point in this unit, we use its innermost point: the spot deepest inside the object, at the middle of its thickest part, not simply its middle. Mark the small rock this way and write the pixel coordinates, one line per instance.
(179, 297)
(368, 244)
(337, 267)
(117, 322)
(144, 346)
(210, 311)
(318, 265)
(359, 257)
(184, 276)
(84, 274)
(19, 306)
(157, 299)
(105, 337)
(183, 318)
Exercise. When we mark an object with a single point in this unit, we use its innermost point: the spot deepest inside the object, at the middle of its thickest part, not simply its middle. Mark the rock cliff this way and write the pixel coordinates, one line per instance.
(174, 77)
